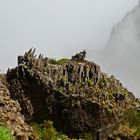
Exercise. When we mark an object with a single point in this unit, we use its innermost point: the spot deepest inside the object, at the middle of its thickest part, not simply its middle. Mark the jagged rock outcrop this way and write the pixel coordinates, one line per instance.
(10, 115)
(75, 95)
(79, 56)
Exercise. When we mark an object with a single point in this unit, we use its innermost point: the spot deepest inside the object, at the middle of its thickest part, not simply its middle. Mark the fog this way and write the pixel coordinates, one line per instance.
(56, 28)
(121, 54)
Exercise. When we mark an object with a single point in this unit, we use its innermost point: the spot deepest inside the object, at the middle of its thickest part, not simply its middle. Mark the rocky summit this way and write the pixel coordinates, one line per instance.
(80, 100)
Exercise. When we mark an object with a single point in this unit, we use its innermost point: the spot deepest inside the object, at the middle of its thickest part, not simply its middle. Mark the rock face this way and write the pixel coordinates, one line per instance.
(75, 95)
(11, 116)
(79, 56)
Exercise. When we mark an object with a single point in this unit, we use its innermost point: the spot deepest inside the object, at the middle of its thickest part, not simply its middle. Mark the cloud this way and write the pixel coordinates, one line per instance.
(56, 28)
(122, 52)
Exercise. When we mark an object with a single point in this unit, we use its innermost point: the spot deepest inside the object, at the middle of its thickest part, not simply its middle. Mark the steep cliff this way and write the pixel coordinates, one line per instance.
(74, 93)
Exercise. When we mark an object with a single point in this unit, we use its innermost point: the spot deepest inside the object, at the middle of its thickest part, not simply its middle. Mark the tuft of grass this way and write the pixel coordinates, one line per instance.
(62, 61)
(88, 136)
(89, 82)
(5, 133)
(102, 83)
(46, 131)
(58, 62)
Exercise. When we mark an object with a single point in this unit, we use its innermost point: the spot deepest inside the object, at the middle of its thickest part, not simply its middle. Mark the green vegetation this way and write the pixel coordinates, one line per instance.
(102, 83)
(61, 90)
(58, 62)
(88, 136)
(5, 133)
(110, 96)
(129, 125)
(62, 61)
(132, 118)
(89, 82)
(46, 131)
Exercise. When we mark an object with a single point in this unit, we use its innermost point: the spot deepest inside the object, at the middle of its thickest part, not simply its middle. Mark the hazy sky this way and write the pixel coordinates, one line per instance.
(56, 27)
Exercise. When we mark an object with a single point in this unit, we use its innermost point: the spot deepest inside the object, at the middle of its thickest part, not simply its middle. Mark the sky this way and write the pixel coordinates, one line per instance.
(56, 28)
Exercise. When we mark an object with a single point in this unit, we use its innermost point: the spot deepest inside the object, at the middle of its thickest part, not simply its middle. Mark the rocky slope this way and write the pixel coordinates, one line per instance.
(74, 93)
(10, 114)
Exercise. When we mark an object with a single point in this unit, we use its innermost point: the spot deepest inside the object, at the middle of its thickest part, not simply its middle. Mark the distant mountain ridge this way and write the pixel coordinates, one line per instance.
(121, 53)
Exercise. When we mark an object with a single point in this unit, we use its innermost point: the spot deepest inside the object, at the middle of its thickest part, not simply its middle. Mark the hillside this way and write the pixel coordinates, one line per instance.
(73, 95)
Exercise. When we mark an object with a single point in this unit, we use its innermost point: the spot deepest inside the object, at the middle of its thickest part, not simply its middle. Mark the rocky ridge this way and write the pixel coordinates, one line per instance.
(74, 93)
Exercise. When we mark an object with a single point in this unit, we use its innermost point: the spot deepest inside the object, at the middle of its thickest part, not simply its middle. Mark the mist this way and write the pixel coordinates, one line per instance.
(120, 56)
(56, 28)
